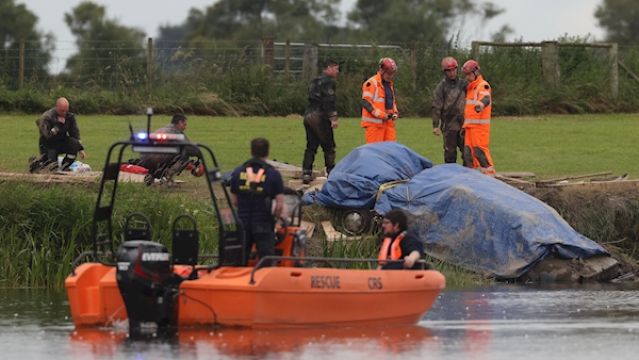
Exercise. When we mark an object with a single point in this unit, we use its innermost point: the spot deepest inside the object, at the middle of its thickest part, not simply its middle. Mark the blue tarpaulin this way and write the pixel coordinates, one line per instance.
(463, 217)
(355, 180)
(482, 224)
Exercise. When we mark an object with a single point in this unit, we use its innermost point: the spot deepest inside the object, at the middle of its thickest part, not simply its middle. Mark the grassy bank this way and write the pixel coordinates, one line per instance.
(43, 227)
(546, 145)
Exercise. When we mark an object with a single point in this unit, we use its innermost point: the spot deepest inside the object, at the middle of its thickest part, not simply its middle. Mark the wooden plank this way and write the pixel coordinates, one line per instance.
(627, 70)
(309, 227)
(597, 185)
(516, 183)
(289, 170)
(316, 184)
(330, 232)
(334, 235)
(576, 177)
(517, 174)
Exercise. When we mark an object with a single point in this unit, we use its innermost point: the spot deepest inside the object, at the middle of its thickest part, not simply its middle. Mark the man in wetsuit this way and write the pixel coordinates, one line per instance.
(320, 119)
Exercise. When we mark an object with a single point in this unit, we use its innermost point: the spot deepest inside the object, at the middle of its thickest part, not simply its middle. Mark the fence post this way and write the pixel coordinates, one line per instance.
(149, 67)
(21, 65)
(550, 62)
(614, 69)
(474, 52)
(413, 65)
(267, 52)
(309, 64)
(287, 59)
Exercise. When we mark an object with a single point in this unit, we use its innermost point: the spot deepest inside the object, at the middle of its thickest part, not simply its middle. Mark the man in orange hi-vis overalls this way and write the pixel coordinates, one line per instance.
(379, 107)
(477, 119)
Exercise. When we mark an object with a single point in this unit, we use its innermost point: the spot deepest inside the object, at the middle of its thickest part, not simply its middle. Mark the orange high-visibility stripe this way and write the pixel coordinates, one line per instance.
(477, 121)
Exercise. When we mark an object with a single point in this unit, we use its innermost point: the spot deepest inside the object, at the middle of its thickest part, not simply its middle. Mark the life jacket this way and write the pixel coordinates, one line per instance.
(395, 248)
(373, 92)
(477, 90)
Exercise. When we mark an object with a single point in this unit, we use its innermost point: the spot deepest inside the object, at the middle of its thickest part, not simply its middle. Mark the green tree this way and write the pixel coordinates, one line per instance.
(620, 20)
(17, 23)
(402, 21)
(249, 20)
(109, 54)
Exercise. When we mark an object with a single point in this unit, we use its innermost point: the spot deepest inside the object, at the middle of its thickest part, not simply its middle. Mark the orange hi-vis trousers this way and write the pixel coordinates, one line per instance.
(382, 132)
(476, 151)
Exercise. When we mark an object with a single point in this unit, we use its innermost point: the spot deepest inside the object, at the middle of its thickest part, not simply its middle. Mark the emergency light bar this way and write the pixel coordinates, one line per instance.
(167, 137)
(161, 137)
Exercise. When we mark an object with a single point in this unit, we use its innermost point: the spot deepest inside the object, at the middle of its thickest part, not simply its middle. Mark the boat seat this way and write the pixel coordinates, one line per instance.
(232, 248)
(137, 226)
(186, 241)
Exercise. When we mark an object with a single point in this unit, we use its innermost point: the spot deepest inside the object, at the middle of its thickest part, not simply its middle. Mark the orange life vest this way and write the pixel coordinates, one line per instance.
(395, 248)
(477, 90)
(373, 92)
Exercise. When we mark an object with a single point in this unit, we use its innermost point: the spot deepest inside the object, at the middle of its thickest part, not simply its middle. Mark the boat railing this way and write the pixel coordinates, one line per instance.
(423, 264)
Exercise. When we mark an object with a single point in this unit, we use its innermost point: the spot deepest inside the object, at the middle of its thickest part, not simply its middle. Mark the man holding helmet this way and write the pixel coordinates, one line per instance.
(379, 105)
(449, 100)
(477, 119)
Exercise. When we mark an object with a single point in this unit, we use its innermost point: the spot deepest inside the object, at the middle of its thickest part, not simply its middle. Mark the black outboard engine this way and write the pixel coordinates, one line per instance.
(148, 287)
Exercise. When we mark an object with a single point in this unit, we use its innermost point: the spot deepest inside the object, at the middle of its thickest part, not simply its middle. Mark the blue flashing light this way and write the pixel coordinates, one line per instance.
(141, 136)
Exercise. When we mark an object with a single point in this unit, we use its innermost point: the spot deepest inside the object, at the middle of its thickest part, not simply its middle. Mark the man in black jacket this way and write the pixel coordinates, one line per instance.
(320, 119)
(59, 134)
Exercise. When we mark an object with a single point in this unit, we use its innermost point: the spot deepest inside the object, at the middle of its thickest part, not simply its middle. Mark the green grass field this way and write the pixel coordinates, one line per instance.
(546, 145)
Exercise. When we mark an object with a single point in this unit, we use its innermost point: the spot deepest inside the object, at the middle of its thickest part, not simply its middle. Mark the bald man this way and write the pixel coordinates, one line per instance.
(59, 134)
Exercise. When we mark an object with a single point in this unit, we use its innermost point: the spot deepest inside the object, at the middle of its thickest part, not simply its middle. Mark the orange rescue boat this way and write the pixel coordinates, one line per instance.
(158, 291)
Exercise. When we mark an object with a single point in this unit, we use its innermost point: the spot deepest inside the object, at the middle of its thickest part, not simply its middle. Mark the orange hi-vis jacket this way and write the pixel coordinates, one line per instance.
(373, 92)
(477, 90)
(395, 248)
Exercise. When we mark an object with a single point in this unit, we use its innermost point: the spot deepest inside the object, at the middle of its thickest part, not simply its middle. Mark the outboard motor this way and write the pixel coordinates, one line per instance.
(148, 287)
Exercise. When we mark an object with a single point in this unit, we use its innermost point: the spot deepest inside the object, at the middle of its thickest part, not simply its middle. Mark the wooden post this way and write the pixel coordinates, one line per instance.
(550, 62)
(149, 67)
(287, 59)
(21, 66)
(267, 51)
(413, 65)
(474, 53)
(614, 70)
(309, 64)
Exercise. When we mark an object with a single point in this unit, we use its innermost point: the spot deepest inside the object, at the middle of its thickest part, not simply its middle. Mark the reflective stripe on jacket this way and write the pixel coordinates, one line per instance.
(373, 93)
(395, 248)
(475, 92)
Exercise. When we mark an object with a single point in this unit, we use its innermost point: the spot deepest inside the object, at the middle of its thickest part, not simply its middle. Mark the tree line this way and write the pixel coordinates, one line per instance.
(370, 21)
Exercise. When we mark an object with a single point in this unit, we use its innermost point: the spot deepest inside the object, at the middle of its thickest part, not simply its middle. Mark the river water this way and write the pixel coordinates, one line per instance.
(497, 322)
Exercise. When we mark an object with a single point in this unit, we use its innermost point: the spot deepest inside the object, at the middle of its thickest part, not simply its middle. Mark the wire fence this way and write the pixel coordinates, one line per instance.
(271, 76)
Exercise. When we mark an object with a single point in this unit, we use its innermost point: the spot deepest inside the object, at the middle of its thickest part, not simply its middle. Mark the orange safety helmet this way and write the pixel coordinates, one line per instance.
(449, 63)
(387, 65)
(470, 66)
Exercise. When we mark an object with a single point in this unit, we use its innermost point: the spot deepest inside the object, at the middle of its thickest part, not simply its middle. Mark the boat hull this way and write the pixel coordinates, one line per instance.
(277, 296)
